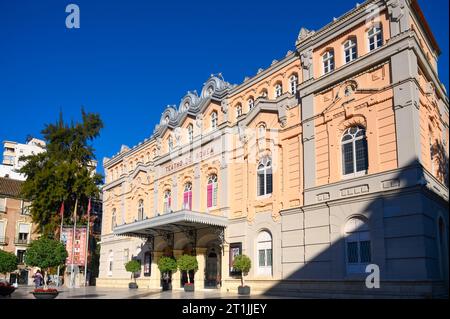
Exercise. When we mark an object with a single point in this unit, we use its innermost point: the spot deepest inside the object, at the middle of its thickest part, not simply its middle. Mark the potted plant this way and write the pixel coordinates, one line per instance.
(188, 263)
(45, 253)
(243, 264)
(166, 266)
(8, 263)
(133, 266)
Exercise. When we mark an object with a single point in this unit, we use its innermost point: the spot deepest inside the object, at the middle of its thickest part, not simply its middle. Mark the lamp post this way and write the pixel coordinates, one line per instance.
(72, 275)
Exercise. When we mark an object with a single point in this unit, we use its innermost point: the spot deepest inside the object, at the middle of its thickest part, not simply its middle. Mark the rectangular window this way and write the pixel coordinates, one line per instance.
(269, 257)
(262, 257)
(269, 182)
(364, 251)
(260, 184)
(361, 156)
(20, 256)
(2, 232)
(352, 252)
(209, 194)
(347, 150)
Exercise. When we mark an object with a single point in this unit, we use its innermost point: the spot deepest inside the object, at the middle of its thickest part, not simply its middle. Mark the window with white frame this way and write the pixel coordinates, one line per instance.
(214, 120)
(2, 232)
(278, 90)
(187, 196)
(170, 143)
(357, 245)
(167, 201)
(23, 235)
(354, 151)
(141, 209)
(328, 61)
(375, 37)
(264, 174)
(264, 251)
(238, 110)
(211, 191)
(350, 50)
(191, 133)
(251, 103)
(2, 204)
(293, 81)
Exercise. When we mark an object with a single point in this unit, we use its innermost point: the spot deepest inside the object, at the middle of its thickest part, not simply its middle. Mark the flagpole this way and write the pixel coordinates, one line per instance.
(87, 243)
(60, 238)
(72, 275)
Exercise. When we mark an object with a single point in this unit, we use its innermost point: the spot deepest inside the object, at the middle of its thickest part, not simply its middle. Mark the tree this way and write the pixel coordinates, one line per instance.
(133, 266)
(167, 265)
(45, 253)
(187, 263)
(243, 264)
(64, 172)
(8, 262)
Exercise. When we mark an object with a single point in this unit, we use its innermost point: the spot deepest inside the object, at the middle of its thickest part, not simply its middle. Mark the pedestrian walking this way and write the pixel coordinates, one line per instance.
(38, 279)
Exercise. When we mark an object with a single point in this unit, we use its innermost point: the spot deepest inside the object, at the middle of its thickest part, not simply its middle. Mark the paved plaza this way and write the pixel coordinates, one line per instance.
(24, 292)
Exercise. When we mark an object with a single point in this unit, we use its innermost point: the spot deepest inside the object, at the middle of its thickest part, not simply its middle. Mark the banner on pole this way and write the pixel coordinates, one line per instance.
(79, 256)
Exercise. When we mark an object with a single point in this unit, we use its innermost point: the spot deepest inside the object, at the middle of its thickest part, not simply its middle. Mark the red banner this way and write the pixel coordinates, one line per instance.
(79, 245)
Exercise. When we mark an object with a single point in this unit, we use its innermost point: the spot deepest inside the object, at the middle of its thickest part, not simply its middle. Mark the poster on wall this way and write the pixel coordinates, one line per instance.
(79, 245)
(235, 250)
(147, 264)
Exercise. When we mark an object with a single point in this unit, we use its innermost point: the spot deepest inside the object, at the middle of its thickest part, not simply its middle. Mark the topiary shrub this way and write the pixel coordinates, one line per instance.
(187, 263)
(243, 264)
(133, 266)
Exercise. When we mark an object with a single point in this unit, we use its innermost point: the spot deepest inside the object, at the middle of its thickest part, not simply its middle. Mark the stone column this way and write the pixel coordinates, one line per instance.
(176, 276)
(155, 273)
(199, 279)
(225, 265)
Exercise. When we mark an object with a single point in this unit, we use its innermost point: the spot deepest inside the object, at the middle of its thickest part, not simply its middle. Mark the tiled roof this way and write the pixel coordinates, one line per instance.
(10, 187)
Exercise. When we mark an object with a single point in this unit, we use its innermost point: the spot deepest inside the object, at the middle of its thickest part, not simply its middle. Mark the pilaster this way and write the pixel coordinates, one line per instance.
(199, 279)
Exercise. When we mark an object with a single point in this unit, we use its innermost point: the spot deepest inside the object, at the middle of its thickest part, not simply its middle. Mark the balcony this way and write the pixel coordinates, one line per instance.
(21, 241)
(4, 241)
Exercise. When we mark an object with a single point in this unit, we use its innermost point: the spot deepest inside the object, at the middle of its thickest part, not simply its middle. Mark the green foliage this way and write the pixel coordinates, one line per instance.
(63, 172)
(8, 262)
(166, 264)
(187, 263)
(45, 253)
(242, 263)
(133, 266)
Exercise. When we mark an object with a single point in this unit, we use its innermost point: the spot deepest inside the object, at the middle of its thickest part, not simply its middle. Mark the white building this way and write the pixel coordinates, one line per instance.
(13, 151)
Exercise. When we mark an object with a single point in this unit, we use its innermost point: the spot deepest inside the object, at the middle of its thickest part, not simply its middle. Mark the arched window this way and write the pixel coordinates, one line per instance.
(265, 176)
(187, 196)
(350, 50)
(264, 251)
(432, 150)
(167, 201)
(141, 210)
(113, 219)
(191, 133)
(170, 143)
(358, 247)
(293, 81)
(375, 37)
(328, 61)
(263, 93)
(238, 110)
(278, 90)
(251, 103)
(214, 120)
(211, 191)
(354, 150)
(261, 131)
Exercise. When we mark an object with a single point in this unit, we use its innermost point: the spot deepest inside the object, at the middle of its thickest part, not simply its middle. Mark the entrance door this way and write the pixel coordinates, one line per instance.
(212, 269)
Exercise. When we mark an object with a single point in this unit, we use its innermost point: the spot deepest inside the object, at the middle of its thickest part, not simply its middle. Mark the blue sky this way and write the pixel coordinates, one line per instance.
(131, 58)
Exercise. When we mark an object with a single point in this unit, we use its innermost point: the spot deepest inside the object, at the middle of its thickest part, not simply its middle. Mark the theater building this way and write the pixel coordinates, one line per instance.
(333, 158)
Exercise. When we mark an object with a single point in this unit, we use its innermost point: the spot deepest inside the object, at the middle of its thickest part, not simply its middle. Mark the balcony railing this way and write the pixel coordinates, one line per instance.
(21, 241)
(4, 240)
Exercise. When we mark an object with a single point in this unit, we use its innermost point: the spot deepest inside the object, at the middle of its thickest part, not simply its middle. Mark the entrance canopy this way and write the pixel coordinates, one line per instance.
(183, 220)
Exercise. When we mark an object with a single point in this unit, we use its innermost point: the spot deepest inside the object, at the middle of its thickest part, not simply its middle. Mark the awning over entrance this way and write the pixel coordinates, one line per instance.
(183, 221)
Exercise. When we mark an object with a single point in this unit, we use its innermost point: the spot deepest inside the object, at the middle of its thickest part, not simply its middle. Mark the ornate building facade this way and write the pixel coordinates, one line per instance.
(333, 158)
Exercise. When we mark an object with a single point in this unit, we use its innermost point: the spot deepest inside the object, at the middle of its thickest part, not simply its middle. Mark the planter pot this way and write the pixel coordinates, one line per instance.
(188, 288)
(244, 290)
(133, 285)
(6, 290)
(45, 295)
